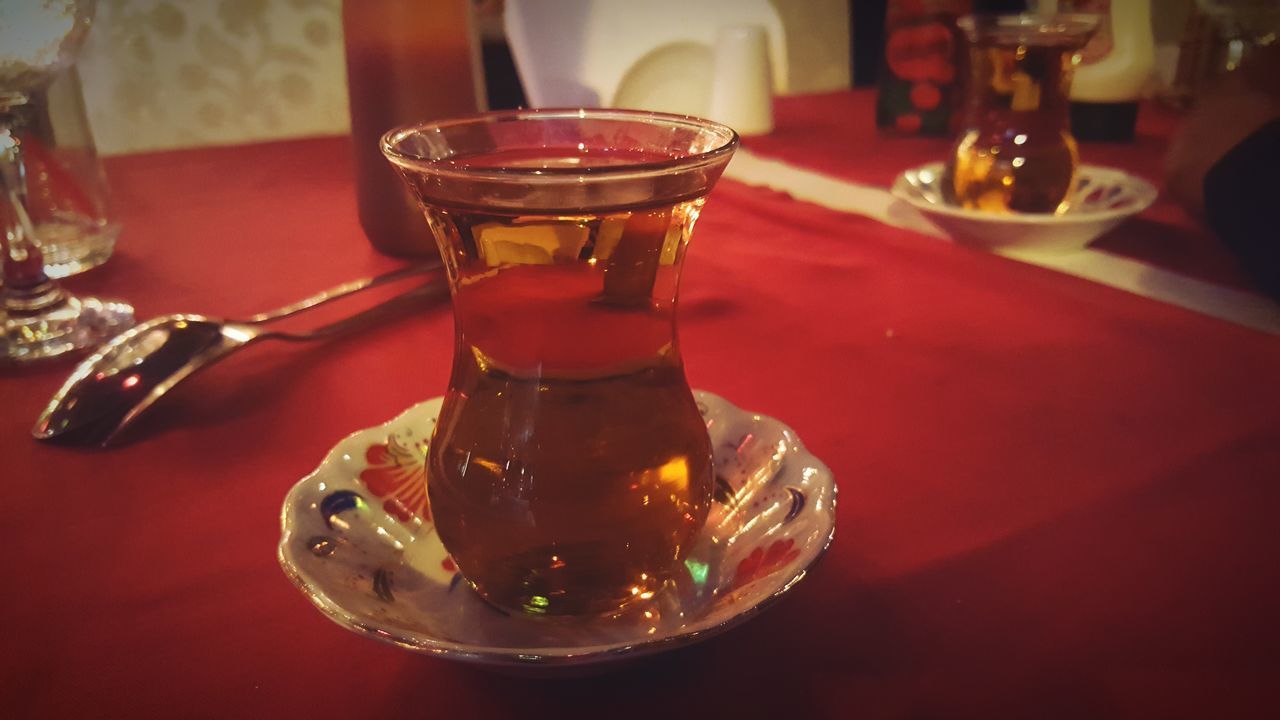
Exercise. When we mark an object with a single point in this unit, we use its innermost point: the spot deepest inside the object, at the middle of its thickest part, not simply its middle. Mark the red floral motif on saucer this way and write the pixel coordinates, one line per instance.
(397, 474)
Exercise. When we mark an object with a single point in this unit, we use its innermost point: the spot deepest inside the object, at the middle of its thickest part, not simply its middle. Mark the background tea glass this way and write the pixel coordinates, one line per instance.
(570, 467)
(1016, 152)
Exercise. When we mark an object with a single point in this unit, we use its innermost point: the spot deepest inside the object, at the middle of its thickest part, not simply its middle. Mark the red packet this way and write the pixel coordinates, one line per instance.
(920, 79)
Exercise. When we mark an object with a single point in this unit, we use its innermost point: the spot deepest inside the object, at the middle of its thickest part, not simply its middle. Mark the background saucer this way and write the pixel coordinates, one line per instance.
(1102, 198)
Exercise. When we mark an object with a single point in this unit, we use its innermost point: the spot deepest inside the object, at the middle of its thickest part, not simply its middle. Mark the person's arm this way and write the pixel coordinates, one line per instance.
(1224, 164)
(1242, 203)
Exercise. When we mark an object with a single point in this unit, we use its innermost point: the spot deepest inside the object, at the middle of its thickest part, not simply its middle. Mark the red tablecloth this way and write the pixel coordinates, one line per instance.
(1056, 500)
(835, 133)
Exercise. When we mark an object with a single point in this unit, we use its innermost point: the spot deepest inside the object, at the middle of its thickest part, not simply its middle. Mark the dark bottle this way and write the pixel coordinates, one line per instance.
(408, 61)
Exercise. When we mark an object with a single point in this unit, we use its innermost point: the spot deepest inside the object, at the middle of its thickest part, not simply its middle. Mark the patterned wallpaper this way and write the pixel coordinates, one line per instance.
(171, 73)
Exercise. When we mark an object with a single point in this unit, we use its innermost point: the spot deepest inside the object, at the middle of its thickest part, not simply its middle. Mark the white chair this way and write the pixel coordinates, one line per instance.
(641, 54)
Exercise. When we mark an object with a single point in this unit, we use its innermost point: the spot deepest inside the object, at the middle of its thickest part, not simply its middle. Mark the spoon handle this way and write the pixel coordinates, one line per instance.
(384, 309)
(339, 291)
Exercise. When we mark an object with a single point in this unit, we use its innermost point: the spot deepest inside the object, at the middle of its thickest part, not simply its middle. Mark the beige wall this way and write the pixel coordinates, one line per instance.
(171, 73)
(817, 43)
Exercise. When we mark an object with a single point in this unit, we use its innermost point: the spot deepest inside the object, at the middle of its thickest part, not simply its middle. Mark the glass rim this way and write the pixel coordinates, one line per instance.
(1032, 24)
(444, 167)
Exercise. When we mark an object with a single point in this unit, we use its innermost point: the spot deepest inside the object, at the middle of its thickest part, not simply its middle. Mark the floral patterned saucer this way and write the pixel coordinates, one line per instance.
(358, 541)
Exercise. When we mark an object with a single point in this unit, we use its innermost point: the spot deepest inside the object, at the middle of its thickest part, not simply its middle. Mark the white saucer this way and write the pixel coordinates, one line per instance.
(1102, 198)
(354, 544)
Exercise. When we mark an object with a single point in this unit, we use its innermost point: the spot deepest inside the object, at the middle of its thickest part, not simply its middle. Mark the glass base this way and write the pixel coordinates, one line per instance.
(73, 245)
(74, 324)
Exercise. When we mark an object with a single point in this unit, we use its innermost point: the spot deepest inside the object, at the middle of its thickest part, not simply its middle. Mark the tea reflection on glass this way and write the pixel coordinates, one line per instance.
(570, 468)
(1016, 152)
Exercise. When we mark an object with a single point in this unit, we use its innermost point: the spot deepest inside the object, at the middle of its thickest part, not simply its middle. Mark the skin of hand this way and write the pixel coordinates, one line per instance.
(1240, 103)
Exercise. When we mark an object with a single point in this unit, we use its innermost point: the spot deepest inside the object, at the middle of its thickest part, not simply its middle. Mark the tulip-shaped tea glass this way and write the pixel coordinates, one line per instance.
(570, 469)
(1016, 152)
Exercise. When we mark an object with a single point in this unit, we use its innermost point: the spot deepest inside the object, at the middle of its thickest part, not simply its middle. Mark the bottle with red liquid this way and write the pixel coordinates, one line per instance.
(920, 74)
(408, 61)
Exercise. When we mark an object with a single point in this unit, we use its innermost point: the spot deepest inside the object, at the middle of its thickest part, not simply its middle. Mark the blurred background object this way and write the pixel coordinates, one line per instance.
(742, 80)
(182, 73)
(1217, 36)
(818, 44)
(1115, 69)
(921, 76)
(407, 62)
(867, 24)
(178, 73)
(1016, 152)
(1244, 26)
(867, 20)
(1221, 163)
(67, 193)
(606, 53)
(53, 162)
(38, 319)
(163, 74)
(1228, 109)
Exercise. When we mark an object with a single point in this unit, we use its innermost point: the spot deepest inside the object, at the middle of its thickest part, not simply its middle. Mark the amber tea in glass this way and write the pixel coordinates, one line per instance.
(570, 468)
(1016, 152)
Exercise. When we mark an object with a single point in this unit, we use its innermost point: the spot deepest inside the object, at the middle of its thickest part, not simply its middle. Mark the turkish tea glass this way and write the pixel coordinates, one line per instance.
(1016, 152)
(570, 468)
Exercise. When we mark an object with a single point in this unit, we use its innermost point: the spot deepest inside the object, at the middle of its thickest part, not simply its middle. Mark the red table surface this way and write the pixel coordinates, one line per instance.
(1056, 499)
(835, 133)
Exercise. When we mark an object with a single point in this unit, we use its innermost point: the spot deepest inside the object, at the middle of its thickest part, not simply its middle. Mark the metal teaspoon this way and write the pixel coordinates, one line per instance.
(110, 389)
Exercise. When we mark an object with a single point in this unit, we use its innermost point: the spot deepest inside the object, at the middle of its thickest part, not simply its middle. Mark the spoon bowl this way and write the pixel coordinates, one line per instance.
(130, 373)
(111, 388)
